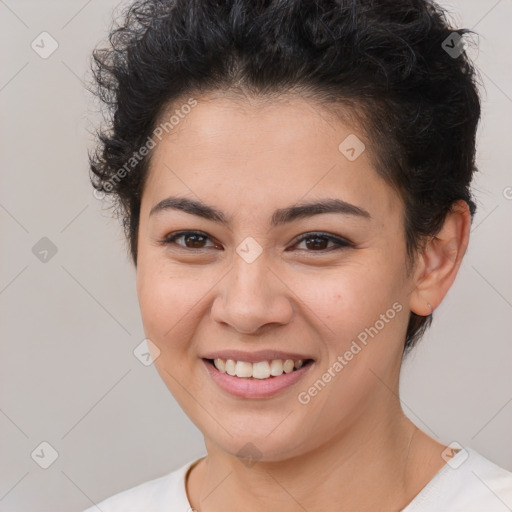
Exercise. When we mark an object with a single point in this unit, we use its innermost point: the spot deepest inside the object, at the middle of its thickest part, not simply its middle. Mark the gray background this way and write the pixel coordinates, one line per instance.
(69, 325)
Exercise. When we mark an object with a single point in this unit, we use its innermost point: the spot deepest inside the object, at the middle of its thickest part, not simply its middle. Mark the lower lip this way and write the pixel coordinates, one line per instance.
(255, 388)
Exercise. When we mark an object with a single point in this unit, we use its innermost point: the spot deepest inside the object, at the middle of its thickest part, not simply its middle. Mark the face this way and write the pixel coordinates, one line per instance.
(262, 279)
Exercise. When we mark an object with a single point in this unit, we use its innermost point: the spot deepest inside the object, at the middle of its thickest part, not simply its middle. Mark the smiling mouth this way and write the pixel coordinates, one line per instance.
(260, 370)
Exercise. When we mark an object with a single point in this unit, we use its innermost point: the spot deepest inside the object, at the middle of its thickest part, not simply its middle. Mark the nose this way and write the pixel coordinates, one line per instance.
(251, 297)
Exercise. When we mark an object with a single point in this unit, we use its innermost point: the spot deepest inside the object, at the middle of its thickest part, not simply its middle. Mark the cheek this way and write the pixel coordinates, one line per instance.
(360, 317)
(348, 295)
(168, 302)
(358, 311)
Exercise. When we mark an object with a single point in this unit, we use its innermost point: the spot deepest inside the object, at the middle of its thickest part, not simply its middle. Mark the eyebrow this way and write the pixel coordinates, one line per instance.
(280, 216)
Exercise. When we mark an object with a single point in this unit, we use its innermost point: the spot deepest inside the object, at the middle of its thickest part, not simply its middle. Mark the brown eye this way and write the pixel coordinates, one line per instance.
(191, 240)
(318, 242)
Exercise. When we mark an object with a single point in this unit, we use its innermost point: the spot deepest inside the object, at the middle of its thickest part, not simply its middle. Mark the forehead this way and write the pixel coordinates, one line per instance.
(257, 151)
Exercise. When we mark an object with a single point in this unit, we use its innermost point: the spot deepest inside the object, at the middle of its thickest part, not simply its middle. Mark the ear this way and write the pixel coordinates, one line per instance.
(440, 260)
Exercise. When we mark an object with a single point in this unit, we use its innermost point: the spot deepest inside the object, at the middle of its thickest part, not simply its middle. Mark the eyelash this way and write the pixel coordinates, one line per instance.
(340, 242)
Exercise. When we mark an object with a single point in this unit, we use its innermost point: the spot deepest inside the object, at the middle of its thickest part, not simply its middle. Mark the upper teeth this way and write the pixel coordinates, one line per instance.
(259, 370)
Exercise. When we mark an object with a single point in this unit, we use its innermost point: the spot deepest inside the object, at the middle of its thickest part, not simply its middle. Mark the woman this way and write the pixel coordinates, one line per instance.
(294, 181)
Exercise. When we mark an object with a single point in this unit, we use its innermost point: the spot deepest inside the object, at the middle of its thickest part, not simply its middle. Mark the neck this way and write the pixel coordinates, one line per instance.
(371, 466)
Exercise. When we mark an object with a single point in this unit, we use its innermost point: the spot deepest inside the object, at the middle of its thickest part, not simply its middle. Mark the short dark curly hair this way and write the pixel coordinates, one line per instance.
(397, 66)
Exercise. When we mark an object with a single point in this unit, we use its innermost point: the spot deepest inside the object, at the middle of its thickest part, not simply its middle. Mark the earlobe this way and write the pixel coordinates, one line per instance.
(440, 260)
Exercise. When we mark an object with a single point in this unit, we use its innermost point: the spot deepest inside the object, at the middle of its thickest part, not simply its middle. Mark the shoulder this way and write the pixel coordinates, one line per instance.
(467, 483)
(166, 494)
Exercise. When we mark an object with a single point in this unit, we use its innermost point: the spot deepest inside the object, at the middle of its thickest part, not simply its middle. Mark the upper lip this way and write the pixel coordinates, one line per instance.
(254, 357)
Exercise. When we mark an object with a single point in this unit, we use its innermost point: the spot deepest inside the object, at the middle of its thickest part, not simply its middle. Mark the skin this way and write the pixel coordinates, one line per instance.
(351, 447)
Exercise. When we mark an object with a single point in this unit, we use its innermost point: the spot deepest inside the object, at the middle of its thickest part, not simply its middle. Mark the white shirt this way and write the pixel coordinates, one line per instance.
(467, 483)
